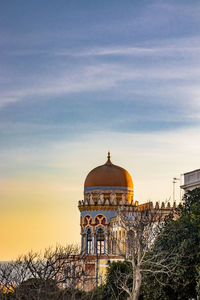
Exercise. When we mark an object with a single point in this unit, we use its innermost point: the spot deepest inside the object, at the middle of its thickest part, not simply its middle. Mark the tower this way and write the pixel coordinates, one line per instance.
(107, 188)
(108, 197)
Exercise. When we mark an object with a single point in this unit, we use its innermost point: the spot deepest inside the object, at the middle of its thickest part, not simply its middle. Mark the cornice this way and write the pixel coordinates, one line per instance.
(105, 207)
(98, 207)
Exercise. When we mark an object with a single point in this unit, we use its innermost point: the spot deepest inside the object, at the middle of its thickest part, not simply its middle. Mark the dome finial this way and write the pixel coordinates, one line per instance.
(108, 161)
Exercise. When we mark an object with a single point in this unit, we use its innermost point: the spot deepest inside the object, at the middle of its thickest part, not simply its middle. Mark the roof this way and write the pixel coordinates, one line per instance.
(108, 175)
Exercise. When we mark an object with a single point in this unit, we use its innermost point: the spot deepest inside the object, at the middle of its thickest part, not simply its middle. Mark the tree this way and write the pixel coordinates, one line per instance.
(62, 264)
(33, 288)
(12, 274)
(39, 273)
(183, 236)
(117, 272)
(143, 226)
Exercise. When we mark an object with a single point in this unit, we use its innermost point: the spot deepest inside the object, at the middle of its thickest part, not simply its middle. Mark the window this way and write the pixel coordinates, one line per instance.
(100, 241)
(89, 242)
(90, 269)
(87, 220)
(100, 219)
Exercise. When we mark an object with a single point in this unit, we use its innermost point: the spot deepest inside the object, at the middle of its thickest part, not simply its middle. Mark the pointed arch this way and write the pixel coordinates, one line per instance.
(100, 241)
(89, 241)
(100, 220)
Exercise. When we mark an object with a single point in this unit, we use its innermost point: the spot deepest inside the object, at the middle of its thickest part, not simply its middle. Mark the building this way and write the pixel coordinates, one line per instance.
(191, 180)
(107, 190)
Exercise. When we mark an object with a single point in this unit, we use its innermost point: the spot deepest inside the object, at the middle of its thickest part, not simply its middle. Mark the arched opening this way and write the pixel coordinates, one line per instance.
(87, 220)
(100, 241)
(100, 220)
(89, 241)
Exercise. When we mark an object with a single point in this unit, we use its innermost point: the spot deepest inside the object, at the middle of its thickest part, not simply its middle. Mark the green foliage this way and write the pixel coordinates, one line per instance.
(98, 293)
(117, 274)
(181, 240)
(74, 294)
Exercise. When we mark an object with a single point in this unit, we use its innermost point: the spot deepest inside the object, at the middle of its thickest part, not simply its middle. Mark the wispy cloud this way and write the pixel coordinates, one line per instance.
(133, 51)
(98, 77)
(162, 47)
(143, 151)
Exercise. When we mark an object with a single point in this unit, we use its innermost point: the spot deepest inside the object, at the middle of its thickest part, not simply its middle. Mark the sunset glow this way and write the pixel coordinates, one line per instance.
(79, 78)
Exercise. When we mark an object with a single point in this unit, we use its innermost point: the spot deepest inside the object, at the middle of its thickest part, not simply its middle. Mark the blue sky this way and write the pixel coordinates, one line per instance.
(78, 78)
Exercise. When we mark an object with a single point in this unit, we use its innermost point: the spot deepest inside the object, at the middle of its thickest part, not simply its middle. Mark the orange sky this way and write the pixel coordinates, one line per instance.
(38, 207)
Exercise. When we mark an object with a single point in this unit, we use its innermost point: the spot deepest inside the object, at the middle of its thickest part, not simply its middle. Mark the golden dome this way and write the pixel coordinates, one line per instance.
(108, 175)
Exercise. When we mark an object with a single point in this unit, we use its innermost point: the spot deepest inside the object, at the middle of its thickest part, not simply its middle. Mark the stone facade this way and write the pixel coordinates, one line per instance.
(102, 238)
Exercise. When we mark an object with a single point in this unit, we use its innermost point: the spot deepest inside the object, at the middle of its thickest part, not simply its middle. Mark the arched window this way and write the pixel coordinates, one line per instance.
(87, 220)
(89, 241)
(100, 219)
(100, 241)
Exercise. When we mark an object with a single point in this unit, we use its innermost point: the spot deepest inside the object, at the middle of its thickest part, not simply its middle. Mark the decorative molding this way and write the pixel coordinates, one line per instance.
(123, 188)
(130, 207)
(112, 198)
(107, 202)
(98, 207)
(101, 199)
(101, 207)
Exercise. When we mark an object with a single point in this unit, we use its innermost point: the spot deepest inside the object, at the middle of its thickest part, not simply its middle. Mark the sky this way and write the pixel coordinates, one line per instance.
(79, 78)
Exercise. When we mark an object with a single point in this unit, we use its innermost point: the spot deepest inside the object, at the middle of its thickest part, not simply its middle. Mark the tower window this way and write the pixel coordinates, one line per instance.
(87, 220)
(100, 241)
(100, 219)
(89, 242)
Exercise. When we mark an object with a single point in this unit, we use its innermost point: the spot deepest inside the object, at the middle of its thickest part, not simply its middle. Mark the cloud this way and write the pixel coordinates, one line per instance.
(162, 47)
(166, 51)
(98, 77)
(186, 8)
(148, 156)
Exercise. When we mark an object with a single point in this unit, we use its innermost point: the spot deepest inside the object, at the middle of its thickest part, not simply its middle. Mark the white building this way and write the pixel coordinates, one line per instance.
(191, 180)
